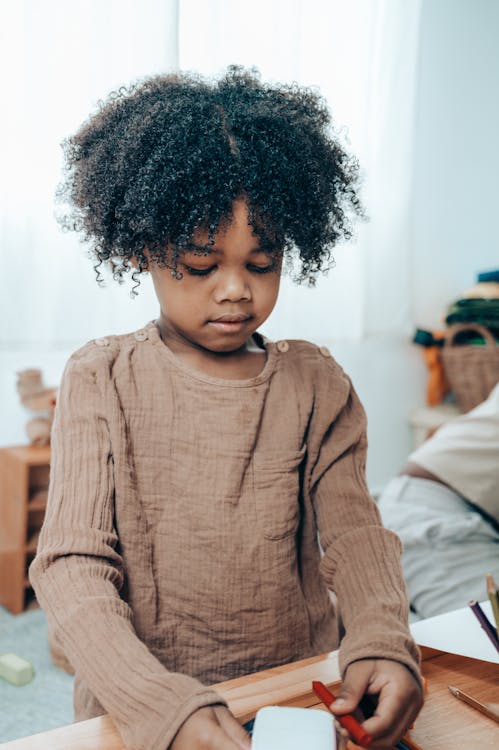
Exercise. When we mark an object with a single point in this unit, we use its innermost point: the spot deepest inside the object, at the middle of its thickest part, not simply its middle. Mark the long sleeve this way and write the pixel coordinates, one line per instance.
(464, 453)
(78, 572)
(361, 561)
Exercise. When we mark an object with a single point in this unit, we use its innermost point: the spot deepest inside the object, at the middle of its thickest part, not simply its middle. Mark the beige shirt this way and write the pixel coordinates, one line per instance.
(180, 541)
(464, 453)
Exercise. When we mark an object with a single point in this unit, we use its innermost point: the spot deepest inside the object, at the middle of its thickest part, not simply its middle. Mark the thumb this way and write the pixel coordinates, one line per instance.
(353, 687)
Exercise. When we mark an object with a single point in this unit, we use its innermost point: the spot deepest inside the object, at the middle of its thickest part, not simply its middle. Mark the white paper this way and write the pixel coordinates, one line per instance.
(457, 632)
(286, 728)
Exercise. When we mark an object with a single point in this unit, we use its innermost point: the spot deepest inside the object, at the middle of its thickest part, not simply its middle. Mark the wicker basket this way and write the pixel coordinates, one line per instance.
(472, 371)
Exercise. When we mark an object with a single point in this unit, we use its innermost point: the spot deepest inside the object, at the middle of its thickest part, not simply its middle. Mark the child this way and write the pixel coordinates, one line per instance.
(194, 461)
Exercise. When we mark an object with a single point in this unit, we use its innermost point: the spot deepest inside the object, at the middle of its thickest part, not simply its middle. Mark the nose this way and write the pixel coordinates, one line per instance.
(232, 286)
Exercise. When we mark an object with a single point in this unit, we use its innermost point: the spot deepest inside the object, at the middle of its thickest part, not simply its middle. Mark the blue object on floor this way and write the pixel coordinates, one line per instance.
(47, 701)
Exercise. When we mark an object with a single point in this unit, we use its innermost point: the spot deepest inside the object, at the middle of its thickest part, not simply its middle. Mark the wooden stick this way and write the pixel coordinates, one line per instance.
(494, 598)
(482, 707)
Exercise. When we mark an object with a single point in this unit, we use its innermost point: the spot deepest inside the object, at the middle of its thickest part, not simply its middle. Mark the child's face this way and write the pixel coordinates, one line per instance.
(223, 297)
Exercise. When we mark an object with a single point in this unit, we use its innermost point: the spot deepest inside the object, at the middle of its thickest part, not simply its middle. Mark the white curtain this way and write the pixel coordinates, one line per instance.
(362, 55)
(58, 58)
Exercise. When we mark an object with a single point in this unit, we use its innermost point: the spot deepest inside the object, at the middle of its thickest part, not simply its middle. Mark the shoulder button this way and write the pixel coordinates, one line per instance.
(140, 335)
(102, 342)
(324, 351)
(282, 346)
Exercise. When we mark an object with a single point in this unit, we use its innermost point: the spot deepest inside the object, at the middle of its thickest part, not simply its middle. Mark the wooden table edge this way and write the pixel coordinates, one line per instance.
(244, 695)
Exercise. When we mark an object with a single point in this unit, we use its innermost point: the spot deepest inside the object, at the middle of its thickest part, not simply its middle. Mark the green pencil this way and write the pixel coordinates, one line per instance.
(494, 598)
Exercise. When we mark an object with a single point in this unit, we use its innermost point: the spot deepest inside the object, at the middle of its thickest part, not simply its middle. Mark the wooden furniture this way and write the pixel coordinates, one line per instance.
(24, 478)
(443, 724)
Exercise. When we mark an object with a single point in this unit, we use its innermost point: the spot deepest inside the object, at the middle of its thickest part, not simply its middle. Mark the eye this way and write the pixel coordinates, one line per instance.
(205, 271)
(261, 269)
(199, 271)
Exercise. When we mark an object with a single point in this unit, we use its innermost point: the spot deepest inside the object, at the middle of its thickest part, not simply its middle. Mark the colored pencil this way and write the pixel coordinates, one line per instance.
(347, 721)
(407, 744)
(484, 622)
(494, 598)
(482, 707)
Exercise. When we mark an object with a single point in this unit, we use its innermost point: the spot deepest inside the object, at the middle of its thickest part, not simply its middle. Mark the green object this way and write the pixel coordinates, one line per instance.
(485, 312)
(16, 670)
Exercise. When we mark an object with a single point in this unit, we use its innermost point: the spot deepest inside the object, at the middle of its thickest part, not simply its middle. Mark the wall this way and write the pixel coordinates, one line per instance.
(456, 152)
(455, 193)
(456, 164)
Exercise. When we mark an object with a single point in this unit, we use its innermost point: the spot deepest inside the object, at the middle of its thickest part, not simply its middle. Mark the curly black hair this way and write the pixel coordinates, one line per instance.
(169, 155)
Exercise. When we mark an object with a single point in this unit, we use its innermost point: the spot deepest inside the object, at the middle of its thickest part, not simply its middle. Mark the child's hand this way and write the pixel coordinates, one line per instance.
(399, 698)
(211, 728)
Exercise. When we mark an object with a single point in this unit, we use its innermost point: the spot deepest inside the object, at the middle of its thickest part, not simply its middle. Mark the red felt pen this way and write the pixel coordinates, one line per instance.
(347, 721)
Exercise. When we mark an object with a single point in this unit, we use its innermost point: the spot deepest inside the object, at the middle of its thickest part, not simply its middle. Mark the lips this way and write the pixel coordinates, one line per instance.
(236, 318)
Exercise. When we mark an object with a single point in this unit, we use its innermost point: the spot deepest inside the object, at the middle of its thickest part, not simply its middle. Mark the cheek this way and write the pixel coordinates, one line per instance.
(186, 301)
(269, 294)
(274, 284)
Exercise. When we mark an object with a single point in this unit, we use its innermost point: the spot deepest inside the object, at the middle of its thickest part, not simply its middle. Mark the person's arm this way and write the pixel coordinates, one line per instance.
(463, 455)
(78, 572)
(412, 469)
(361, 564)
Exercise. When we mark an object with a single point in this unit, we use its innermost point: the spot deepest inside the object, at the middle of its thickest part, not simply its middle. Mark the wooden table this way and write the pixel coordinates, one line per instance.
(444, 723)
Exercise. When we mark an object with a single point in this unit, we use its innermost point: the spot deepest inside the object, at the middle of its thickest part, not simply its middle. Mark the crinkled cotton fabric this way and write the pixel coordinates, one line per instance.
(179, 546)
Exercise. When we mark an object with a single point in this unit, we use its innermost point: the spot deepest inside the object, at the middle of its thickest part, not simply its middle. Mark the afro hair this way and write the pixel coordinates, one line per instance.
(169, 155)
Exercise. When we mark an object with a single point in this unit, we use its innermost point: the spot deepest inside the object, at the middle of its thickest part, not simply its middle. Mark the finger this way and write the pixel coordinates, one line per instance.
(233, 728)
(389, 722)
(388, 717)
(353, 687)
(342, 738)
(220, 740)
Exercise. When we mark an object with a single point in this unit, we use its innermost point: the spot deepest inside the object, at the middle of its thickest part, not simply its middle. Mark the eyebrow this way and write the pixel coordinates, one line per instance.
(206, 249)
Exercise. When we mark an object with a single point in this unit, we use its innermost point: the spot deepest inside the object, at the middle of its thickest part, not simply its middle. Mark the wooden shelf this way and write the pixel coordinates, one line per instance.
(34, 455)
(38, 501)
(24, 478)
(36, 506)
(32, 543)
